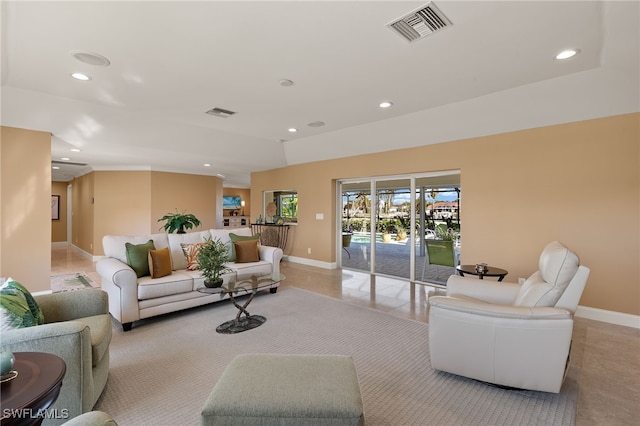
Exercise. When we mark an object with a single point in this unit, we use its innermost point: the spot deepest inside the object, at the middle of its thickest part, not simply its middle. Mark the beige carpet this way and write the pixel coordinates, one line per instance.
(163, 370)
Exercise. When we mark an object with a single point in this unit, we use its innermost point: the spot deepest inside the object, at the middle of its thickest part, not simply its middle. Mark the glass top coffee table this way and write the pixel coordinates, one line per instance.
(240, 286)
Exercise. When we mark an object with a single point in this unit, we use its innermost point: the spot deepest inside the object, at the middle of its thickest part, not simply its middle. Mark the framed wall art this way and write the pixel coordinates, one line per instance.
(55, 207)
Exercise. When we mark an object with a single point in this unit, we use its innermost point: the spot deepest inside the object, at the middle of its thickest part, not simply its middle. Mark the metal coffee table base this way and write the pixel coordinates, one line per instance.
(239, 325)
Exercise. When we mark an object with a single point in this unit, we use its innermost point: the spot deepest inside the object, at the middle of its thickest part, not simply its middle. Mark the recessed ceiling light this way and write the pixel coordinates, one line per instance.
(316, 124)
(207, 165)
(292, 130)
(286, 83)
(90, 58)
(219, 175)
(80, 76)
(55, 168)
(385, 104)
(65, 158)
(75, 149)
(566, 54)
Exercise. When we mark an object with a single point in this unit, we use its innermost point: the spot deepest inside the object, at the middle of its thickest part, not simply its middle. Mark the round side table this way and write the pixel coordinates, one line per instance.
(491, 271)
(26, 398)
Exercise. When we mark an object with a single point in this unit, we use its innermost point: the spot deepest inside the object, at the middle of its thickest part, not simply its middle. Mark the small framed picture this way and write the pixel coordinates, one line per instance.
(55, 207)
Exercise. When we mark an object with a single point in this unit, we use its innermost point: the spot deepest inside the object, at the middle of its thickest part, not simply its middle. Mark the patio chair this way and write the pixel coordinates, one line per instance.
(440, 253)
(346, 242)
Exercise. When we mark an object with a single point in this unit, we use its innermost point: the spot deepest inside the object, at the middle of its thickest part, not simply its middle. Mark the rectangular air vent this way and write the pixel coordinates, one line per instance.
(67, 163)
(219, 112)
(420, 23)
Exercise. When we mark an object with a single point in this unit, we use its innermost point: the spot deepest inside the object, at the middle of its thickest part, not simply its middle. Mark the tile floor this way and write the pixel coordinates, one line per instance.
(605, 362)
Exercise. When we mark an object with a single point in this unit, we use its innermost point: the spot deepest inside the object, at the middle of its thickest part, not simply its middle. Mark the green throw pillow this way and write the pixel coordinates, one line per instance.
(234, 239)
(138, 257)
(18, 308)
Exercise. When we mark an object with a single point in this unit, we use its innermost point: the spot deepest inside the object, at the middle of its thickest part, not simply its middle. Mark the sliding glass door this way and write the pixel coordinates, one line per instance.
(385, 221)
(393, 217)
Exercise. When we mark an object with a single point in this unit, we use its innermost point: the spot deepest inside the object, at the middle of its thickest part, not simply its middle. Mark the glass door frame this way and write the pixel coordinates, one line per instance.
(412, 234)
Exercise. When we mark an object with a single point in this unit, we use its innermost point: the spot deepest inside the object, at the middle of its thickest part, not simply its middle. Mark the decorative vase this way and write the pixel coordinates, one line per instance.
(6, 362)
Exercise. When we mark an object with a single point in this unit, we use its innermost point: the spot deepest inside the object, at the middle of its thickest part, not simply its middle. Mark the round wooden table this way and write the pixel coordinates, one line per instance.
(27, 398)
(491, 271)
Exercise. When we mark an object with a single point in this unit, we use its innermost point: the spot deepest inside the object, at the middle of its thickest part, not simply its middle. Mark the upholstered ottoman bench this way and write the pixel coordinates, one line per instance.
(270, 389)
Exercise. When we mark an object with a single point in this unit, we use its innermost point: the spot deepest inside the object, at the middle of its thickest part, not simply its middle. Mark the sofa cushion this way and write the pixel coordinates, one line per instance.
(246, 251)
(178, 259)
(18, 308)
(160, 263)
(176, 283)
(556, 268)
(224, 234)
(234, 238)
(138, 257)
(114, 245)
(244, 270)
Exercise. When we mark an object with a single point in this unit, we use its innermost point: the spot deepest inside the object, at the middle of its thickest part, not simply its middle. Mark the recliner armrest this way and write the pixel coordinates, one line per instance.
(476, 307)
(501, 293)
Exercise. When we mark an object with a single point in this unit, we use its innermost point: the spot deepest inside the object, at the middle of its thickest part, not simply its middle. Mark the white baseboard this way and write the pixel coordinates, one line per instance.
(312, 262)
(611, 317)
(59, 244)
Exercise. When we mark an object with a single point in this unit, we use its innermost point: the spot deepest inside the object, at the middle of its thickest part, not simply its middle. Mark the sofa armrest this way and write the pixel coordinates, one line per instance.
(121, 283)
(502, 293)
(71, 341)
(272, 255)
(475, 307)
(71, 305)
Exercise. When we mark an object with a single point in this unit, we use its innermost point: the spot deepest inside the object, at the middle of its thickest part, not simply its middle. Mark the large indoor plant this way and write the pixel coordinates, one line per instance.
(211, 259)
(179, 222)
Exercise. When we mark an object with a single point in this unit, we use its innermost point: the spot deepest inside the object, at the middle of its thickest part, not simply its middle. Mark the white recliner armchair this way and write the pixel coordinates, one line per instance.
(506, 333)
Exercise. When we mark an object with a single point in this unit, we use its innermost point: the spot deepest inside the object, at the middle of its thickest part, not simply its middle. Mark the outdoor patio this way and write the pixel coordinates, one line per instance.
(392, 258)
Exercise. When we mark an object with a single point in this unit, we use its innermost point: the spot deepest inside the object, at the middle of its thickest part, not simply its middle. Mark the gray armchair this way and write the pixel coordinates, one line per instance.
(77, 329)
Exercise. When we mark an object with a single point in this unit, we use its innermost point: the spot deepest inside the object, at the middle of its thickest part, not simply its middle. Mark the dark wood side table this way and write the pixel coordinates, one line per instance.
(491, 271)
(27, 398)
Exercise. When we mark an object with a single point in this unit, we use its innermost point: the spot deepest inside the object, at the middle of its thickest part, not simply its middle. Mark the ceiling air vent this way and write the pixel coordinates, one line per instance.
(219, 112)
(420, 23)
(67, 163)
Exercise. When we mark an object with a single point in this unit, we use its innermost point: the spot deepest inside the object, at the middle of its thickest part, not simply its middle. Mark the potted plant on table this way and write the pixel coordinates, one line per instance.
(179, 222)
(211, 259)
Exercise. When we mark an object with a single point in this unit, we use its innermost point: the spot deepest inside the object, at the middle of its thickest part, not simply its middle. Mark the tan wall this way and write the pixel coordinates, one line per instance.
(577, 183)
(82, 212)
(244, 194)
(122, 205)
(131, 202)
(25, 207)
(198, 195)
(59, 227)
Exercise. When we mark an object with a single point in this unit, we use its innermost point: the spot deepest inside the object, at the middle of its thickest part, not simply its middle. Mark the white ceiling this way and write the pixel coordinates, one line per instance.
(172, 61)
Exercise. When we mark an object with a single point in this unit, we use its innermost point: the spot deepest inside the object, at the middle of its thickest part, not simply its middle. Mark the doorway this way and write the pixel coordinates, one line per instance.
(384, 222)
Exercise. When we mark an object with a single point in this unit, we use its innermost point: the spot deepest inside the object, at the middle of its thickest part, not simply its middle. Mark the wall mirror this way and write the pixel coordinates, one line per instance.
(280, 206)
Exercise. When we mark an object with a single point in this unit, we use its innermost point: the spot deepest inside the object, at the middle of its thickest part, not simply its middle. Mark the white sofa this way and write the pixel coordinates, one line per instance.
(132, 298)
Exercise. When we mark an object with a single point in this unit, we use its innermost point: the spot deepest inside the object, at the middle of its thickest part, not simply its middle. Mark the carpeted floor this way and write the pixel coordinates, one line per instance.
(163, 370)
